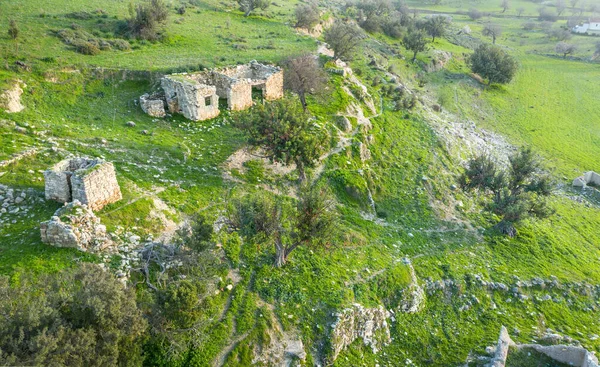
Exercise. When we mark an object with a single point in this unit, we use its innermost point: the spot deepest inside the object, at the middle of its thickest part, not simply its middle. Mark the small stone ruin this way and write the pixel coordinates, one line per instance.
(75, 226)
(196, 95)
(588, 178)
(92, 182)
(571, 355)
(153, 105)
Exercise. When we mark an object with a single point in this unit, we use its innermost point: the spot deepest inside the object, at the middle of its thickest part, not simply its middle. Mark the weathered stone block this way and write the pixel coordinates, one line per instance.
(92, 182)
(153, 105)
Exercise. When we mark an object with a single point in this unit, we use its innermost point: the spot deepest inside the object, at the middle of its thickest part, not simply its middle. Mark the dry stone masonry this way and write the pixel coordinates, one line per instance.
(153, 105)
(75, 226)
(92, 182)
(196, 95)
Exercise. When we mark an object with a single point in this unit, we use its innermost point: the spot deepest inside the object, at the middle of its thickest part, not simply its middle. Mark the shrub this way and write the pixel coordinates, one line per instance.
(86, 48)
(307, 15)
(13, 29)
(80, 317)
(146, 19)
(529, 26)
(475, 14)
(248, 6)
(548, 15)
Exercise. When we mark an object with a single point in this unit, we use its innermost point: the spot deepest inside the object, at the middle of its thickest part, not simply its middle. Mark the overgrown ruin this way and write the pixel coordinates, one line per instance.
(92, 182)
(196, 95)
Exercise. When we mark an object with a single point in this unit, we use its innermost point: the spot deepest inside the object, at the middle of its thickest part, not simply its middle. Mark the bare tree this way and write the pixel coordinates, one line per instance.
(574, 3)
(565, 49)
(492, 30)
(560, 6)
(520, 11)
(343, 38)
(505, 5)
(303, 76)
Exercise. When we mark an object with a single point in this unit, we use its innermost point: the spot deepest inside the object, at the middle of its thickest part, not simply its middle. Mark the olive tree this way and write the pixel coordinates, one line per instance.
(310, 222)
(303, 75)
(415, 41)
(307, 15)
(286, 132)
(493, 64)
(565, 49)
(517, 193)
(492, 30)
(248, 6)
(436, 26)
(344, 38)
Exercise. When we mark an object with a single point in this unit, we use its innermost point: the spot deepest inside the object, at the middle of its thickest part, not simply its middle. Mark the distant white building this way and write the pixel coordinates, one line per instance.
(591, 27)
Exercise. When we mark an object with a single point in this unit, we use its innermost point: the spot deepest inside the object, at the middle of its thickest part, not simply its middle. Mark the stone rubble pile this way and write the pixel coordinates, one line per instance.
(75, 226)
(17, 204)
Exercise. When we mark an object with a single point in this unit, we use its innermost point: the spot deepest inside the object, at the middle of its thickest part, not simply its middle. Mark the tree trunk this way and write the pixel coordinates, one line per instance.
(414, 57)
(494, 40)
(280, 255)
(432, 39)
(301, 172)
(303, 101)
(247, 13)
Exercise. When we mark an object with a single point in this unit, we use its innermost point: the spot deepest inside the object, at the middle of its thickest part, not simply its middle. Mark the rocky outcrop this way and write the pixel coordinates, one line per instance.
(358, 322)
(414, 297)
(10, 99)
(504, 342)
(439, 59)
(92, 182)
(75, 226)
(588, 178)
(153, 105)
(571, 355)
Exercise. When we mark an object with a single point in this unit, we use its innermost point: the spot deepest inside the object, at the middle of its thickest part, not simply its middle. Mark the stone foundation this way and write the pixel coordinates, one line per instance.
(75, 226)
(92, 182)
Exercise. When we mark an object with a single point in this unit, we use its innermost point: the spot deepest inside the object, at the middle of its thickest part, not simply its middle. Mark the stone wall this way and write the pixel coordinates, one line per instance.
(92, 182)
(75, 226)
(192, 99)
(358, 322)
(196, 96)
(153, 105)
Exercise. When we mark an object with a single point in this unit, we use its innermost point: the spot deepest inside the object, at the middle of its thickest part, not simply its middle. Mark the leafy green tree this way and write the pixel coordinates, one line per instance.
(517, 193)
(286, 133)
(311, 222)
(13, 29)
(436, 26)
(415, 41)
(493, 64)
(344, 38)
(81, 317)
(248, 6)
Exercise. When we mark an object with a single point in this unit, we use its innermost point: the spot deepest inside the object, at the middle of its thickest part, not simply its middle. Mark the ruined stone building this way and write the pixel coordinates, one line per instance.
(196, 95)
(92, 182)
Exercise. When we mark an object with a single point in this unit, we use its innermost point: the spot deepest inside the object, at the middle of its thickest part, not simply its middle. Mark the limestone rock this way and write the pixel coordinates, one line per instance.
(504, 342)
(358, 322)
(153, 105)
(439, 59)
(344, 124)
(10, 99)
(92, 182)
(295, 348)
(75, 225)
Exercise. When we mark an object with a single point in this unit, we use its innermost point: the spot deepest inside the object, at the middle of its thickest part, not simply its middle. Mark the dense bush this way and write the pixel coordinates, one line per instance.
(88, 44)
(344, 38)
(146, 20)
(307, 15)
(80, 317)
(493, 64)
